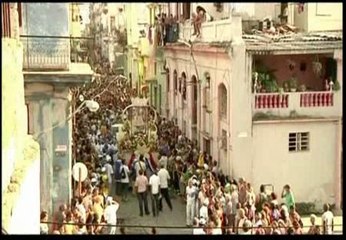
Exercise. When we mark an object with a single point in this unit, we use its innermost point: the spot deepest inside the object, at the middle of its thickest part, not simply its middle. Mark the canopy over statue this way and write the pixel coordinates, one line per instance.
(139, 131)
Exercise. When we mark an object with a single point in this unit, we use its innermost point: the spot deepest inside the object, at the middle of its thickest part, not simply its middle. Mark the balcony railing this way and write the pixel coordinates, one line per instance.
(46, 53)
(215, 31)
(324, 104)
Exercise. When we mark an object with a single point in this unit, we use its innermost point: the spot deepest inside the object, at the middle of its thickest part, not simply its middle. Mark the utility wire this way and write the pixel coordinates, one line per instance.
(80, 108)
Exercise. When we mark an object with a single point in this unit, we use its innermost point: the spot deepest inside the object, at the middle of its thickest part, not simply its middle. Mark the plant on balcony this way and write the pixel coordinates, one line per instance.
(336, 85)
(293, 84)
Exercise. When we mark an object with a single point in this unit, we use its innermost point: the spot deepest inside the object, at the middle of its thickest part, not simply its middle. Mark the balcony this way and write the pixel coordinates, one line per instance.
(304, 104)
(46, 53)
(215, 31)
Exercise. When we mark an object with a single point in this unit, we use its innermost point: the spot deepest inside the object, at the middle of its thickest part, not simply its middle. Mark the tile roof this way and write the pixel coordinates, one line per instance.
(294, 41)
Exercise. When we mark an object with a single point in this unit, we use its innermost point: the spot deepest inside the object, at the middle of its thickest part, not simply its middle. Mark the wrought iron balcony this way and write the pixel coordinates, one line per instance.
(48, 53)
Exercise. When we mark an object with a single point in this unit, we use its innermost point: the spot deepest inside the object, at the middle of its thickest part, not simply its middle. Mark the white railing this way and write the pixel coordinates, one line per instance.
(324, 104)
(46, 53)
(215, 31)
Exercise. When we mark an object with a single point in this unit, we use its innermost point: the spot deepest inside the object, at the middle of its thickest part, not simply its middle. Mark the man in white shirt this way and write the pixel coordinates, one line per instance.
(327, 220)
(109, 171)
(154, 182)
(110, 215)
(191, 193)
(164, 178)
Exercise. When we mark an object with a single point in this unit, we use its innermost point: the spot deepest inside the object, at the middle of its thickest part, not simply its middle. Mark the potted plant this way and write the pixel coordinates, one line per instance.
(293, 84)
(336, 85)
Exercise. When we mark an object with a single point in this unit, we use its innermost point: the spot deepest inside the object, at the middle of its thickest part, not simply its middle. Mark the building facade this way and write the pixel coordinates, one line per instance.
(20, 169)
(228, 90)
(48, 76)
(108, 24)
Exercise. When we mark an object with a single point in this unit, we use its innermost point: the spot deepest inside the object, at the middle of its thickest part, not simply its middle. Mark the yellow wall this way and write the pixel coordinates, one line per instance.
(75, 27)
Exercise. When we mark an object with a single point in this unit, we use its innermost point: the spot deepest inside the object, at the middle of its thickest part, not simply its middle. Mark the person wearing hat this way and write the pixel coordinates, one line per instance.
(110, 215)
(109, 172)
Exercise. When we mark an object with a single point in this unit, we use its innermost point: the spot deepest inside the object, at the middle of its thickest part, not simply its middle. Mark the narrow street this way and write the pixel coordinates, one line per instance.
(129, 213)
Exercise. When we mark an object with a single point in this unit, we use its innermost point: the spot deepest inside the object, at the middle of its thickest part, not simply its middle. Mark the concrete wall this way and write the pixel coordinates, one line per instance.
(49, 107)
(218, 66)
(14, 115)
(311, 174)
(26, 213)
(324, 16)
(20, 155)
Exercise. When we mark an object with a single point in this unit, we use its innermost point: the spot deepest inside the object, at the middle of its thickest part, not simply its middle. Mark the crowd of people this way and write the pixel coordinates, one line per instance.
(215, 203)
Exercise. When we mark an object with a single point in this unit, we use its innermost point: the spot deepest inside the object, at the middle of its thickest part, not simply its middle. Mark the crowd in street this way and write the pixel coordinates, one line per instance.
(215, 203)
(219, 204)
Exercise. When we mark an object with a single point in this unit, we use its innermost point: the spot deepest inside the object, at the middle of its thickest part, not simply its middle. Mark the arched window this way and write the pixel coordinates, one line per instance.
(222, 93)
(183, 85)
(206, 90)
(194, 99)
(168, 82)
(175, 81)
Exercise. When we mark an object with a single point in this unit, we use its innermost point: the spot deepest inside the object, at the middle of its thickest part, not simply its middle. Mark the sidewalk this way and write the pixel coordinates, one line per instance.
(338, 228)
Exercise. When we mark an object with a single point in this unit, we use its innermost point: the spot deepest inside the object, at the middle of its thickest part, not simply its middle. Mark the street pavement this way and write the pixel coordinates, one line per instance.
(128, 214)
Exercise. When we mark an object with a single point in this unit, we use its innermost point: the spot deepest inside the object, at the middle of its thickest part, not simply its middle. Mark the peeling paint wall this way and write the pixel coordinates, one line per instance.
(50, 107)
(28, 203)
(13, 107)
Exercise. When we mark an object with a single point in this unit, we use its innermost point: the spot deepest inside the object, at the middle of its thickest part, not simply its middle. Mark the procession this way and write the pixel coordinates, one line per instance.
(132, 152)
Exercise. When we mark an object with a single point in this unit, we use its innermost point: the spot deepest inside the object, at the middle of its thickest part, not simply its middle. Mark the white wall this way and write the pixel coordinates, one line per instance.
(324, 16)
(311, 174)
(26, 212)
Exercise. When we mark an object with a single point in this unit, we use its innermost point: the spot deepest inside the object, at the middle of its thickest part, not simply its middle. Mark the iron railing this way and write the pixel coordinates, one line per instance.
(48, 52)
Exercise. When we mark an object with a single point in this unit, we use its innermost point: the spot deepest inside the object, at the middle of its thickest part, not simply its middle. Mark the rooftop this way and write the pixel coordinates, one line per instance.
(293, 41)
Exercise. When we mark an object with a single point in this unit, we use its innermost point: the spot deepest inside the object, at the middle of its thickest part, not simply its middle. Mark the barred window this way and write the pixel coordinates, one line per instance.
(298, 142)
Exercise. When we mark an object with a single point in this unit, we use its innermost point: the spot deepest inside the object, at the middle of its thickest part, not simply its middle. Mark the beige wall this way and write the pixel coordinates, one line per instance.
(20, 175)
(324, 16)
(311, 174)
(319, 17)
(13, 107)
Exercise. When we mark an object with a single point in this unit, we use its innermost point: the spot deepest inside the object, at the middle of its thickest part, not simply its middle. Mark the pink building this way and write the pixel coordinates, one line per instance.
(266, 107)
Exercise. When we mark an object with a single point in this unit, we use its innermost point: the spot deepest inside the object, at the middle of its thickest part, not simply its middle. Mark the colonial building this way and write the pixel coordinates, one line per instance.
(48, 76)
(108, 27)
(267, 105)
(20, 162)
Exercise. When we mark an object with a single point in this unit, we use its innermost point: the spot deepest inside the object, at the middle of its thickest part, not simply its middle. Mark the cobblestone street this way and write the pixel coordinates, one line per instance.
(129, 213)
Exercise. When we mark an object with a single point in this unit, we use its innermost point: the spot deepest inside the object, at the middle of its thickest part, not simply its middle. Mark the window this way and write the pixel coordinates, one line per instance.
(112, 22)
(207, 94)
(175, 81)
(224, 140)
(183, 85)
(168, 84)
(298, 142)
(222, 101)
